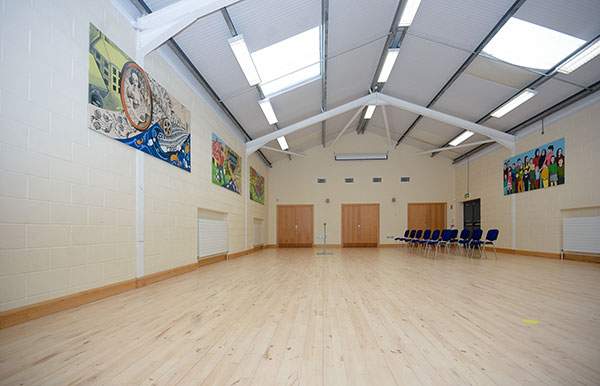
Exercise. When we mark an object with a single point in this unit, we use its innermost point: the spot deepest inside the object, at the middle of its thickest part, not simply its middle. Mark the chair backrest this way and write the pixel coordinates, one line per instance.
(406, 233)
(436, 235)
(412, 233)
(477, 233)
(419, 234)
(492, 235)
(447, 234)
(465, 234)
(454, 233)
(427, 234)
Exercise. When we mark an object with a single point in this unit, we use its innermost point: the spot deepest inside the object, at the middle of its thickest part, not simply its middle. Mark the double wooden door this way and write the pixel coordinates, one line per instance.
(295, 225)
(427, 215)
(360, 225)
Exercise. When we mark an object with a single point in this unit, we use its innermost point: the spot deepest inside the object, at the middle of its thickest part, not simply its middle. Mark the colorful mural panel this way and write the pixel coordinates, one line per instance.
(226, 166)
(257, 186)
(126, 104)
(535, 169)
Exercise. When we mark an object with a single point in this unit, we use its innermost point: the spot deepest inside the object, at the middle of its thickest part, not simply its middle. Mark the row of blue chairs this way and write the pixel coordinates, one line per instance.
(428, 239)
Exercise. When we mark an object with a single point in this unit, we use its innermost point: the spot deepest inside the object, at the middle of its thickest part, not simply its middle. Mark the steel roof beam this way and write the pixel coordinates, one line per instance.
(324, 57)
(393, 40)
(511, 11)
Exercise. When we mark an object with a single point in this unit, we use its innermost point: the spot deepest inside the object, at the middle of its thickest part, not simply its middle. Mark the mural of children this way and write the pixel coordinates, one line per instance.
(538, 176)
(513, 174)
(561, 170)
(553, 171)
(545, 174)
(510, 180)
(533, 175)
(542, 159)
(559, 155)
(536, 159)
(550, 154)
(520, 174)
(505, 183)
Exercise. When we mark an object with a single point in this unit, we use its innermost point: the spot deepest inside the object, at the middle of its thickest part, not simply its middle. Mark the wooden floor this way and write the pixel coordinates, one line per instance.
(358, 317)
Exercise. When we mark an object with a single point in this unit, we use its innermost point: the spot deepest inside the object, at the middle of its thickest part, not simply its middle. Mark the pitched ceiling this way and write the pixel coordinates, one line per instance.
(442, 37)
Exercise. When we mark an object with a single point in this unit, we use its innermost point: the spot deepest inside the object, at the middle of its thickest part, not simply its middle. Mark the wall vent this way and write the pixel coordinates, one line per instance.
(404, 179)
(349, 180)
(321, 180)
(377, 179)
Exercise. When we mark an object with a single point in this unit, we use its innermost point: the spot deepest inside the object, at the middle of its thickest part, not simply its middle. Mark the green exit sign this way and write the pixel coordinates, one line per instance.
(467, 195)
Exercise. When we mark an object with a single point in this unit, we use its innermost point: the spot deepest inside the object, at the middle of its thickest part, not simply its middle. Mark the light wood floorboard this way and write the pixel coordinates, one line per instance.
(363, 316)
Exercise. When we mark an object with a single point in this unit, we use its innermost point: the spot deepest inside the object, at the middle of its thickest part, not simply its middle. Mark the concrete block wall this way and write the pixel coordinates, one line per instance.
(67, 194)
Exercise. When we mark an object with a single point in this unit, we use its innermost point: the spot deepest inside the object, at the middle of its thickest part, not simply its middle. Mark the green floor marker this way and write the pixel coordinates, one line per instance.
(530, 321)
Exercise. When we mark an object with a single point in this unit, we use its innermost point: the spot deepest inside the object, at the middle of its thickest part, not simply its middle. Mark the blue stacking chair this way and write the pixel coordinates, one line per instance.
(465, 237)
(411, 236)
(475, 241)
(434, 240)
(490, 238)
(453, 238)
(400, 239)
(425, 239)
(444, 240)
(415, 240)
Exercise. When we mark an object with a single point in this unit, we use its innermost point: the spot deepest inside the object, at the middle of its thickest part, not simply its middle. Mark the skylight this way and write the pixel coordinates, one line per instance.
(288, 63)
(529, 45)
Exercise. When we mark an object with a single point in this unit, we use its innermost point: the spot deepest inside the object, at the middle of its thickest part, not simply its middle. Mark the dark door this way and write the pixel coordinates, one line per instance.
(472, 214)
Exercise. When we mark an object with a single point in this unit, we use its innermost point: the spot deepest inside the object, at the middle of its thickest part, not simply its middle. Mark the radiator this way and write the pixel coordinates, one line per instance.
(213, 237)
(581, 234)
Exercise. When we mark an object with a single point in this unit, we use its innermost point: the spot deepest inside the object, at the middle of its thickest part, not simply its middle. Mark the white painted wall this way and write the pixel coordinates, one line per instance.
(294, 182)
(67, 194)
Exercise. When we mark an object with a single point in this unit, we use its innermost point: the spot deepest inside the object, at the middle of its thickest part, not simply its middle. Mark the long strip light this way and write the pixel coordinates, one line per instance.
(282, 143)
(369, 112)
(265, 105)
(580, 59)
(461, 138)
(410, 10)
(390, 59)
(514, 103)
(240, 50)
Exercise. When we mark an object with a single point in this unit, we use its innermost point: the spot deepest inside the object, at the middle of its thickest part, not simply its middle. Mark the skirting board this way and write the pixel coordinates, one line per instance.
(37, 310)
(590, 258)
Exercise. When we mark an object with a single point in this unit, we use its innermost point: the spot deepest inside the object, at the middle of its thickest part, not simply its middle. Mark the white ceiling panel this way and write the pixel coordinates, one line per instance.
(355, 22)
(462, 24)
(471, 98)
(500, 72)
(349, 75)
(247, 111)
(265, 22)
(576, 18)
(205, 43)
(421, 70)
(298, 104)
(441, 130)
(585, 75)
(399, 120)
(549, 93)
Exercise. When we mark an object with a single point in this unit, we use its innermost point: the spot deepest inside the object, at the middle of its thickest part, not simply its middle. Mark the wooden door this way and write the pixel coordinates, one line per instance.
(350, 224)
(304, 223)
(427, 215)
(360, 225)
(295, 225)
(369, 224)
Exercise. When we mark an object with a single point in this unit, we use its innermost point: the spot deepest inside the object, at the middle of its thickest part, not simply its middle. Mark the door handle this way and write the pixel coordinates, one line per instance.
(296, 226)
(359, 225)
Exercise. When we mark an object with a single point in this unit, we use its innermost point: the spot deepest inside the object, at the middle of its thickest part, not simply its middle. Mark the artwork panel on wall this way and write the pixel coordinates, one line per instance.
(257, 186)
(535, 169)
(226, 166)
(127, 104)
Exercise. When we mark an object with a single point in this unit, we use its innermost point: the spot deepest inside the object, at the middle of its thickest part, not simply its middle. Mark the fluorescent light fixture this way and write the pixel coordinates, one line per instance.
(265, 105)
(514, 103)
(580, 59)
(369, 112)
(240, 50)
(361, 157)
(282, 143)
(410, 10)
(290, 62)
(529, 45)
(461, 138)
(390, 59)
